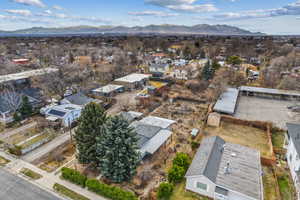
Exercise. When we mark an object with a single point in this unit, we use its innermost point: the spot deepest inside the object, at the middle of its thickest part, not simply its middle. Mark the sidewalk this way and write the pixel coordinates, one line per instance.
(48, 179)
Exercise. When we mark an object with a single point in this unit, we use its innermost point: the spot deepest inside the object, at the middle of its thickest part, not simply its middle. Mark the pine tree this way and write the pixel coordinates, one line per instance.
(207, 72)
(25, 108)
(90, 126)
(117, 150)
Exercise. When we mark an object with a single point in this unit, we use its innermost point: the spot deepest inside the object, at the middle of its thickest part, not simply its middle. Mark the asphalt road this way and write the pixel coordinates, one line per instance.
(14, 188)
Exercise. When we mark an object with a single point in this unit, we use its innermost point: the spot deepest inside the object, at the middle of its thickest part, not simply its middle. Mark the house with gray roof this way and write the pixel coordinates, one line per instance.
(225, 171)
(79, 99)
(151, 136)
(292, 142)
(131, 116)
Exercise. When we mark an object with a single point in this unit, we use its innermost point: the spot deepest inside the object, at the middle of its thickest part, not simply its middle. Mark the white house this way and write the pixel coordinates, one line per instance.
(225, 171)
(133, 81)
(293, 151)
(67, 113)
(108, 90)
(159, 69)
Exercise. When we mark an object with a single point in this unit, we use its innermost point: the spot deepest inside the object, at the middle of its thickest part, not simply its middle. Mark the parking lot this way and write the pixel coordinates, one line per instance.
(260, 109)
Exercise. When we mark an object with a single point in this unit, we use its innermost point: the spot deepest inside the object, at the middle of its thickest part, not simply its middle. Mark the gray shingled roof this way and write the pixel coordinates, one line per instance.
(294, 134)
(227, 101)
(130, 116)
(214, 155)
(79, 99)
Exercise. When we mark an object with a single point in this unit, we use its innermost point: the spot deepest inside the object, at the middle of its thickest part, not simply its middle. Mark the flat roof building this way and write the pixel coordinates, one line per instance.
(222, 170)
(132, 81)
(26, 74)
(227, 101)
(108, 90)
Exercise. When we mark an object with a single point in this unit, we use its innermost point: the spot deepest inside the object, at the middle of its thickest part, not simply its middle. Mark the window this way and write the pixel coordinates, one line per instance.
(201, 186)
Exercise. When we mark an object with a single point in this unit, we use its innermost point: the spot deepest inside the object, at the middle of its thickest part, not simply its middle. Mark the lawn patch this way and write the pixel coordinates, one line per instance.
(179, 192)
(68, 193)
(31, 174)
(270, 185)
(278, 139)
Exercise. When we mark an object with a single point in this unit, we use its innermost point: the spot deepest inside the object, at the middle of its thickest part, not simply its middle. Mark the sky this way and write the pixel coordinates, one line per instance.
(267, 16)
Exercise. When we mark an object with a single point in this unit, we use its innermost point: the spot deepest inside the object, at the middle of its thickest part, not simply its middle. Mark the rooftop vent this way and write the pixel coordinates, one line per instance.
(227, 168)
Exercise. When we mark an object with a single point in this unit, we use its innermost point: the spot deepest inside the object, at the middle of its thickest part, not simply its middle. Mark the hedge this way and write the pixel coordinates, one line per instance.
(111, 192)
(165, 190)
(73, 176)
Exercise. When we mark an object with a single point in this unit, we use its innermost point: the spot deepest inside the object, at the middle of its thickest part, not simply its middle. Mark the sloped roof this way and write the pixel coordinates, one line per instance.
(79, 99)
(229, 166)
(294, 133)
(154, 144)
(207, 159)
(158, 121)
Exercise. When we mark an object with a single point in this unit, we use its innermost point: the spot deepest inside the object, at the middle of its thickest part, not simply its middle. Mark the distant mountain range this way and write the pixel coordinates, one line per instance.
(201, 29)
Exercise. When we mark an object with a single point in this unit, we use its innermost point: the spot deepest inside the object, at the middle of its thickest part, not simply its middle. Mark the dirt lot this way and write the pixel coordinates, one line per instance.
(126, 98)
(243, 135)
(57, 158)
(276, 111)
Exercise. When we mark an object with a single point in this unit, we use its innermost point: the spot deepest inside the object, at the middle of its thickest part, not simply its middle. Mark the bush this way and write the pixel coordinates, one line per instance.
(165, 190)
(111, 192)
(182, 160)
(16, 150)
(195, 145)
(73, 176)
(176, 174)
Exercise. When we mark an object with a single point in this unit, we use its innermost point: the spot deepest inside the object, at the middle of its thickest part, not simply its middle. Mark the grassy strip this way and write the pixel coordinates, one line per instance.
(278, 139)
(68, 193)
(31, 174)
(34, 140)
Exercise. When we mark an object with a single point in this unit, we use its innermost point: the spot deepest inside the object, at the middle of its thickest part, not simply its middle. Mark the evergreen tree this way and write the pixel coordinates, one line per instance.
(90, 126)
(214, 67)
(25, 107)
(117, 150)
(207, 72)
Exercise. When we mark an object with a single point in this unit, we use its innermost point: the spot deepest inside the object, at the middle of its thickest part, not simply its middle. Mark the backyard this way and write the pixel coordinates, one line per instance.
(278, 139)
(285, 183)
(243, 135)
(271, 191)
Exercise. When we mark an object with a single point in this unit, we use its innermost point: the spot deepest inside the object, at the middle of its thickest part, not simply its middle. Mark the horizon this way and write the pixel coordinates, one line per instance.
(254, 16)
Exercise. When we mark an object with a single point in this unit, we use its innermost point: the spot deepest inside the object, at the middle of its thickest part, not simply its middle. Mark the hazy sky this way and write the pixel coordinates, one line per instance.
(268, 16)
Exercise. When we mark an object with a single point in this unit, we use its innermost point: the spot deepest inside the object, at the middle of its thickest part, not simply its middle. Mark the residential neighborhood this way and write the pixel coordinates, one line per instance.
(150, 116)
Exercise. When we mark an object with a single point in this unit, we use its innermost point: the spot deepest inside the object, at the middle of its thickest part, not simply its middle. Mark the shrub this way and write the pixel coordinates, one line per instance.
(165, 190)
(16, 150)
(111, 192)
(182, 160)
(195, 145)
(73, 176)
(176, 174)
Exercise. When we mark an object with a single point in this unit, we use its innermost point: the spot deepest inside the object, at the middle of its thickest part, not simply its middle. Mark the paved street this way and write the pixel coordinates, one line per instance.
(15, 188)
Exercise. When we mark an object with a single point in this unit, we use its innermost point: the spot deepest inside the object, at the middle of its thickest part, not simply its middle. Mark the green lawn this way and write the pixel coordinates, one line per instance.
(31, 174)
(179, 193)
(278, 139)
(68, 193)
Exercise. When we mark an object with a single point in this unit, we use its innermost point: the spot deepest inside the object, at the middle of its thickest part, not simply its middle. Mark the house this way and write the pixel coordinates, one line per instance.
(66, 113)
(11, 101)
(79, 99)
(292, 144)
(180, 74)
(225, 171)
(23, 61)
(153, 135)
(133, 81)
(159, 70)
(108, 90)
